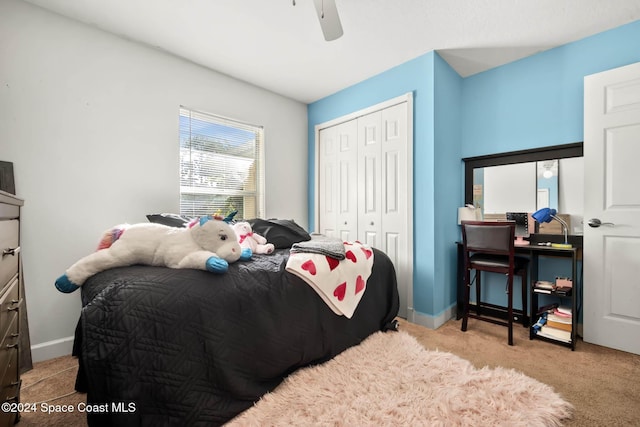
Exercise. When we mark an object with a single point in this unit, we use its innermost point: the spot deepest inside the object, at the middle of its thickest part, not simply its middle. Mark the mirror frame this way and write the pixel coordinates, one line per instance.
(523, 156)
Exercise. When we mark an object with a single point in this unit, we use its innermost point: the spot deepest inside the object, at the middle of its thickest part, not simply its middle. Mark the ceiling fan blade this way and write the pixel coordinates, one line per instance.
(329, 19)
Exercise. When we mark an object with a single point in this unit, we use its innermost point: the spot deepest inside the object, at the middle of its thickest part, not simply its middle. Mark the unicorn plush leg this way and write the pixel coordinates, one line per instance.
(204, 260)
(63, 284)
(246, 254)
(98, 261)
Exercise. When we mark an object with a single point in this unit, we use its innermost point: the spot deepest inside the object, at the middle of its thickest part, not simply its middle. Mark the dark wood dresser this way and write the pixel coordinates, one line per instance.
(11, 299)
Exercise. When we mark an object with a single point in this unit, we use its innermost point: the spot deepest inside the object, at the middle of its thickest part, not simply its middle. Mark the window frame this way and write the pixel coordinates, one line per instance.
(208, 148)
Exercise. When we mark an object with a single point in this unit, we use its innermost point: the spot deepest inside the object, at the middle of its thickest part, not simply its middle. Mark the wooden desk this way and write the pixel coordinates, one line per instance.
(534, 252)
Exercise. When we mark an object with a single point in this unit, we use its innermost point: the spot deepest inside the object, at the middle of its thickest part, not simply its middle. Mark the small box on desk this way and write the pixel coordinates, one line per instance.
(564, 282)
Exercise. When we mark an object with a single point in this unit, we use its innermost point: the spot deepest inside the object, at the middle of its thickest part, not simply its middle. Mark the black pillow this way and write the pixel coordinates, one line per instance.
(283, 233)
(172, 220)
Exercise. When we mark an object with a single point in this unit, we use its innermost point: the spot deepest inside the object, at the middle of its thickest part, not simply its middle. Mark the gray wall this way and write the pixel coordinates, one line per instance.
(90, 121)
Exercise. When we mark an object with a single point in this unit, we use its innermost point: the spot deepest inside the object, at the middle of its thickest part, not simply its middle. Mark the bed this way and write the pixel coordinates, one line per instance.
(160, 346)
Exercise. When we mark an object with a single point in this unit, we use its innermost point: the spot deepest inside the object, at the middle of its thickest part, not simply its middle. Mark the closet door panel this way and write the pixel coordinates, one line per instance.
(392, 183)
(347, 177)
(396, 197)
(370, 179)
(392, 243)
(327, 179)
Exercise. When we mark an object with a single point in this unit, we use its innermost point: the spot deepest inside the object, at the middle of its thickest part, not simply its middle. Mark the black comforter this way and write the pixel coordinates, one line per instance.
(159, 346)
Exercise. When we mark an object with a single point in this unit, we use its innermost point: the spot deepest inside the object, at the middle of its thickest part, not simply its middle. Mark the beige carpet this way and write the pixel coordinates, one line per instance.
(390, 380)
(602, 384)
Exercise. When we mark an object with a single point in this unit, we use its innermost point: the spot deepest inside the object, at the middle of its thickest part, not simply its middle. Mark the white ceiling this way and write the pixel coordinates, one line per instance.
(280, 47)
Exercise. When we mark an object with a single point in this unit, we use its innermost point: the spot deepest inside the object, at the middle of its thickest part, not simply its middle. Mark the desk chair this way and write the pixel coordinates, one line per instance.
(489, 246)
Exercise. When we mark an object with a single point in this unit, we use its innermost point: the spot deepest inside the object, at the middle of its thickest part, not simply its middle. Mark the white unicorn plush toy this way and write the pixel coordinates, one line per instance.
(207, 243)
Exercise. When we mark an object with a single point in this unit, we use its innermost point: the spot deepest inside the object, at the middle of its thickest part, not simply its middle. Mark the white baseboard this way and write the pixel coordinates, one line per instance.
(52, 349)
(433, 322)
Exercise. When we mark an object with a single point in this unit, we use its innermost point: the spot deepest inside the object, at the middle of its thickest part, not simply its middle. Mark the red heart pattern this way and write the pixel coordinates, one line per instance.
(333, 263)
(341, 283)
(310, 267)
(340, 291)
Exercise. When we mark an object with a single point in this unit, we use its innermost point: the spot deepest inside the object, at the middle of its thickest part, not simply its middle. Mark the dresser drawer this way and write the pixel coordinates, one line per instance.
(11, 376)
(9, 356)
(10, 394)
(9, 306)
(9, 211)
(9, 232)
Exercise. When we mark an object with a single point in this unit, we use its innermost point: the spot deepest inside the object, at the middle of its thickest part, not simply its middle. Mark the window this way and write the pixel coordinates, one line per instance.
(220, 166)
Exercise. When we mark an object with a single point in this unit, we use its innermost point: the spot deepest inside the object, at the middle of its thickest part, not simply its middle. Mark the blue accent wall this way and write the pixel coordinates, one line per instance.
(447, 196)
(417, 77)
(530, 103)
(538, 101)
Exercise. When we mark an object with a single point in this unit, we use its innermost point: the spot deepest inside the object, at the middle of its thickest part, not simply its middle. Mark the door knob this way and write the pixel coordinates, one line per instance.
(595, 223)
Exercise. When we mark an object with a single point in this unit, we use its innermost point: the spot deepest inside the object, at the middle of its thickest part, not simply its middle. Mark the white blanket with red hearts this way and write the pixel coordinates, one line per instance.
(340, 284)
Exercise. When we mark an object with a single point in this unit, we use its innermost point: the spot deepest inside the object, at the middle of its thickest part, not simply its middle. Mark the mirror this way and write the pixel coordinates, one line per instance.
(536, 184)
(547, 184)
(526, 181)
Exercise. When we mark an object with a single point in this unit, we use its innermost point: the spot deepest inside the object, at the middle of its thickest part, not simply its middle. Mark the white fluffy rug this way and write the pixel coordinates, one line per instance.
(390, 379)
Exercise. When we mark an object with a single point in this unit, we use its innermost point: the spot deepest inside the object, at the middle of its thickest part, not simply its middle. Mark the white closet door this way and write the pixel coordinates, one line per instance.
(370, 179)
(394, 194)
(328, 166)
(384, 190)
(396, 197)
(338, 181)
(365, 187)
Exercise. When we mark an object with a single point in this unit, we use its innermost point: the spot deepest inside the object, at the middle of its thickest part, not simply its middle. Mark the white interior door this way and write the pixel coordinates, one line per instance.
(612, 251)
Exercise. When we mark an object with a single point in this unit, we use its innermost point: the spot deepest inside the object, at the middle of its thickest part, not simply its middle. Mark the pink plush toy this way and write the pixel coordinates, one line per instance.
(248, 239)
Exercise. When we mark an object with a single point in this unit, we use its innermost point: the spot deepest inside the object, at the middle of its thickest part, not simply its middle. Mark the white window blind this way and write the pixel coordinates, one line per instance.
(220, 166)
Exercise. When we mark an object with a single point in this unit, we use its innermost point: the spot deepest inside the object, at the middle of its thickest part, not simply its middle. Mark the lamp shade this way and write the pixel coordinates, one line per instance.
(544, 215)
(548, 214)
(467, 213)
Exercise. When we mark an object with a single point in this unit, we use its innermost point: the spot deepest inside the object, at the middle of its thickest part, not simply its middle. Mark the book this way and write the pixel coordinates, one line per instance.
(563, 323)
(547, 308)
(541, 284)
(563, 310)
(554, 333)
(560, 319)
(563, 291)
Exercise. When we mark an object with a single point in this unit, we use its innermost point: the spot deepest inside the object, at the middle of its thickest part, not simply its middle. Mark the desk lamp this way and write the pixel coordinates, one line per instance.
(469, 213)
(548, 214)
